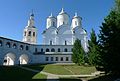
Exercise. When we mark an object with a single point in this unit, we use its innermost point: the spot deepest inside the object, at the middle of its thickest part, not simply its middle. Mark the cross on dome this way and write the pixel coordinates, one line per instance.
(76, 14)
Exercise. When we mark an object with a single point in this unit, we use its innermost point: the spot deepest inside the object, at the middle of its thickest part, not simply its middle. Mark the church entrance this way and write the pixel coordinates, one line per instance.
(9, 59)
(23, 59)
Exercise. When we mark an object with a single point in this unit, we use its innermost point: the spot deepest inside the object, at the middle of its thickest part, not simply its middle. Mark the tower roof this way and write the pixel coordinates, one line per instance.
(51, 16)
(76, 15)
(62, 11)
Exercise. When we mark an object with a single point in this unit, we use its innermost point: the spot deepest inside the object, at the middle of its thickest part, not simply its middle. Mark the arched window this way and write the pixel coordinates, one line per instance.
(27, 48)
(52, 50)
(34, 34)
(8, 44)
(61, 59)
(0, 43)
(14, 46)
(41, 49)
(47, 50)
(65, 50)
(58, 49)
(29, 33)
(21, 47)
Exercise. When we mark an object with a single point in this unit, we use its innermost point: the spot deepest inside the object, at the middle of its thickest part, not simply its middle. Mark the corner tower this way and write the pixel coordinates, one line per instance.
(76, 21)
(51, 21)
(30, 31)
(62, 18)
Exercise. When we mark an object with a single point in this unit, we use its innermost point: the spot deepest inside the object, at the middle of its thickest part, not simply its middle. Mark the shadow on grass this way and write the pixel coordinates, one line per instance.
(105, 78)
(14, 73)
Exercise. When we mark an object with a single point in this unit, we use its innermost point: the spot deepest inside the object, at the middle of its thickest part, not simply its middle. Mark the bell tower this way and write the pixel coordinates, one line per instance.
(30, 31)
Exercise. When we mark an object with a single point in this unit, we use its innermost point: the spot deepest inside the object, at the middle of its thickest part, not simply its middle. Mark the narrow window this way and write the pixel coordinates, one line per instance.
(14, 46)
(50, 42)
(47, 50)
(47, 58)
(41, 49)
(8, 44)
(65, 42)
(52, 50)
(36, 50)
(25, 33)
(75, 22)
(53, 23)
(27, 48)
(65, 50)
(33, 34)
(56, 59)
(58, 49)
(61, 59)
(67, 59)
(29, 34)
(51, 58)
(21, 47)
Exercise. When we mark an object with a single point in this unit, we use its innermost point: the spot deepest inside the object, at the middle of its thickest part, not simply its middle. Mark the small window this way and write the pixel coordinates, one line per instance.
(47, 58)
(58, 49)
(8, 44)
(67, 59)
(65, 50)
(0, 43)
(51, 58)
(14, 46)
(61, 59)
(41, 49)
(29, 34)
(21, 47)
(47, 50)
(56, 59)
(27, 48)
(52, 50)
(34, 34)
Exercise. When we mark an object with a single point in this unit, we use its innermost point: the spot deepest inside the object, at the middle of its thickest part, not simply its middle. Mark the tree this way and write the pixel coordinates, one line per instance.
(93, 54)
(78, 53)
(117, 5)
(110, 42)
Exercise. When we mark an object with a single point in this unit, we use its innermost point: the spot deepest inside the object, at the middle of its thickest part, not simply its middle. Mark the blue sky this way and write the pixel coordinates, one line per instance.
(14, 14)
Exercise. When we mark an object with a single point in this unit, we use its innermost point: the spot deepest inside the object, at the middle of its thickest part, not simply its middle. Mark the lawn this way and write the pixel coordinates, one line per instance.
(64, 69)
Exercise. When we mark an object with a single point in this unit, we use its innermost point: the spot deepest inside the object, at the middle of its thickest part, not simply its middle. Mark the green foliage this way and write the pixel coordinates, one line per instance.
(117, 5)
(78, 53)
(110, 42)
(93, 54)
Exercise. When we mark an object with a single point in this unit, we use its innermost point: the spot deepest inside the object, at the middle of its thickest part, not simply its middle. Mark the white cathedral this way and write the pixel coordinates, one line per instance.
(58, 39)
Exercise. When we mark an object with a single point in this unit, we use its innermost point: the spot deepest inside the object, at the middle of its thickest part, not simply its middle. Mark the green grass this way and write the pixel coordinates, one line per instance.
(56, 69)
(39, 76)
(77, 70)
(64, 69)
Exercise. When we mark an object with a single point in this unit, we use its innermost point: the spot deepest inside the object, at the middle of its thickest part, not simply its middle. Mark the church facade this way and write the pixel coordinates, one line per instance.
(58, 39)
